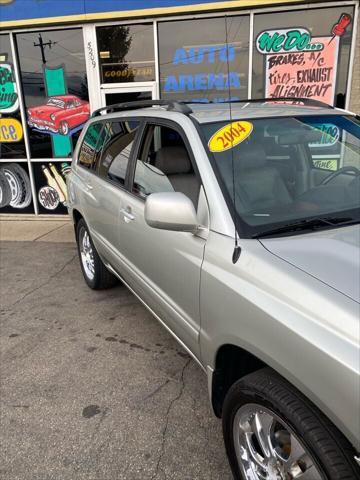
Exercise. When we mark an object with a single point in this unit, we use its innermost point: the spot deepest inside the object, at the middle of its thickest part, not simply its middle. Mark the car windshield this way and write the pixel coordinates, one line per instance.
(56, 102)
(281, 172)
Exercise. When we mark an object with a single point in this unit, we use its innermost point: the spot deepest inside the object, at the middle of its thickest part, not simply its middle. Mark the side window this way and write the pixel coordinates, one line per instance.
(119, 138)
(163, 165)
(92, 145)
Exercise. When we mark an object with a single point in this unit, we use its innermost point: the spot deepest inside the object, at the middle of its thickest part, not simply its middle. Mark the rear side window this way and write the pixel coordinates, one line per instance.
(119, 138)
(92, 145)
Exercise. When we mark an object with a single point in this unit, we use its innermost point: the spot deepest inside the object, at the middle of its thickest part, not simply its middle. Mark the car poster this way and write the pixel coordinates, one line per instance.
(61, 115)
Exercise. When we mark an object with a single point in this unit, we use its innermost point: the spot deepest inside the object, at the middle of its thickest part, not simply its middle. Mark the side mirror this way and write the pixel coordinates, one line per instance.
(171, 211)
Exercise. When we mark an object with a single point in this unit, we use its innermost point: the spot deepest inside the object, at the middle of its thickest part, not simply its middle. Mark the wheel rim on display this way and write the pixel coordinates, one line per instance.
(15, 187)
(19, 185)
(267, 448)
(87, 254)
(5, 192)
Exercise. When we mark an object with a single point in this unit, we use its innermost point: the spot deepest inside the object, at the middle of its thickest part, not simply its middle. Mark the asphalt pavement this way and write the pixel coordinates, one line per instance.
(92, 387)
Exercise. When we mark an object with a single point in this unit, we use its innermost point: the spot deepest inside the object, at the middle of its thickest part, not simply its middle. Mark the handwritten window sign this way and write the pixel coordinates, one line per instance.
(9, 101)
(298, 65)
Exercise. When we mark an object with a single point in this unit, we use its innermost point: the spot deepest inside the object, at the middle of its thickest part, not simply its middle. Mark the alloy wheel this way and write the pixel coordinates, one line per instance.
(267, 448)
(87, 254)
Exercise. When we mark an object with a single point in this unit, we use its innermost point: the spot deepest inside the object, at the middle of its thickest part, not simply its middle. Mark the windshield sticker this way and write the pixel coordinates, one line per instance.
(326, 164)
(330, 135)
(229, 136)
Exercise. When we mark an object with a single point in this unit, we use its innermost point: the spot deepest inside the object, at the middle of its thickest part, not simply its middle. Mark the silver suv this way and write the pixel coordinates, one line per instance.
(237, 226)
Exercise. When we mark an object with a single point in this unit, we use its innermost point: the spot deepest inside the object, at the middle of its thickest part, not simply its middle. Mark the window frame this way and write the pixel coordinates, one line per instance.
(125, 186)
(161, 122)
(77, 160)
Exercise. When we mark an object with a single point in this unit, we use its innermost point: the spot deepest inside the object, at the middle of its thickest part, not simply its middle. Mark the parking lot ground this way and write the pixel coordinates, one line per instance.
(92, 387)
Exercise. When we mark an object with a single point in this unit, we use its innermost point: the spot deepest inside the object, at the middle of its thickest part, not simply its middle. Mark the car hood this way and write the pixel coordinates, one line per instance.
(331, 256)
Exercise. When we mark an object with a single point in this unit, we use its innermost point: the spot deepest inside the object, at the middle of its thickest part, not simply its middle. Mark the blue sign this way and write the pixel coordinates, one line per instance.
(201, 82)
(17, 10)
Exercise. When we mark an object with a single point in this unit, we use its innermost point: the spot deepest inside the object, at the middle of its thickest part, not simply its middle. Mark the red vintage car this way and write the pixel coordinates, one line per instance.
(61, 114)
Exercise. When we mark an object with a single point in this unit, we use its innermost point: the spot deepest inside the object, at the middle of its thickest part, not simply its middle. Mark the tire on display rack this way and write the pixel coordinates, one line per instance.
(271, 430)
(5, 191)
(19, 183)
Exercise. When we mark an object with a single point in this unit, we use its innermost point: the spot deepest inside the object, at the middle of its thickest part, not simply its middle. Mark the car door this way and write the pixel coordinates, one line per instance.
(84, 173)
(163, 266)
(107, 186)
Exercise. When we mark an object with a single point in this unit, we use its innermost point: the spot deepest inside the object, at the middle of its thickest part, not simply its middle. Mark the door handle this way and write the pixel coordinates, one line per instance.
(89, 186)
(128, 216)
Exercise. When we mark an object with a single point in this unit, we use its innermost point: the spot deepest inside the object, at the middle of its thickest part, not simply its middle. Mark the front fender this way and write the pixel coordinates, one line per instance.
(300, 327)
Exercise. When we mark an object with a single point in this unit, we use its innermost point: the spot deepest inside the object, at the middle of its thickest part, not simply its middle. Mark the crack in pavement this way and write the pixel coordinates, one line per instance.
(44, 283)
(157, 389)
(47, 233)
(173, 401)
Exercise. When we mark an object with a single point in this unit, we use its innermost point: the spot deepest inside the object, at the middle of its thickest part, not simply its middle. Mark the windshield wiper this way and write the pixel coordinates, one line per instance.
(308, 224)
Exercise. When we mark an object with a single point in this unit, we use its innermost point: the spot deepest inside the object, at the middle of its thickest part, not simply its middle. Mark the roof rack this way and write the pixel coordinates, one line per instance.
(306, 101)
(180, 107)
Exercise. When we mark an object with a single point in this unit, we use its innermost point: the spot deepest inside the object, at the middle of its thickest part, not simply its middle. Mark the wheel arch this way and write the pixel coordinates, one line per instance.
(77, 216)
(232, 363)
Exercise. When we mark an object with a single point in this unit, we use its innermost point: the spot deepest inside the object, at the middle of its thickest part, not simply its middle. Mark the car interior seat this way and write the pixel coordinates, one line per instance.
(175, 163)
(258, 184)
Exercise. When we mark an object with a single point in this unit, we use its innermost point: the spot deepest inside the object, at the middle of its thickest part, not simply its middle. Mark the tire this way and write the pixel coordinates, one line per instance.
(294, 425)
(19, 183)
(96, 275)
(64, 128)
(5, 191)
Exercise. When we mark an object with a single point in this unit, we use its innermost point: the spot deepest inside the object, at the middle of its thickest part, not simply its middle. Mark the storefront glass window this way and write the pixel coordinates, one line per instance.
(12, 143)
(15, 186)
(199, 61)
(126, 53)
(303, 54)
(54, 82)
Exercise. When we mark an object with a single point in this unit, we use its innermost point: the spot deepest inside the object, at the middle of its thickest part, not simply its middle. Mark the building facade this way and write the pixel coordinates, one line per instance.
(60, 60)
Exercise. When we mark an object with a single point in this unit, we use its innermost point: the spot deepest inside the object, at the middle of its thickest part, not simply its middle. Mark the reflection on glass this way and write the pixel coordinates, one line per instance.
(200, 61)
(126, 53)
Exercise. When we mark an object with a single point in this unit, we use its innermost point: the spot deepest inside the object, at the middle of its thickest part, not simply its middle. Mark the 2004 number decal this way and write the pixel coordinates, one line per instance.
(229, 136)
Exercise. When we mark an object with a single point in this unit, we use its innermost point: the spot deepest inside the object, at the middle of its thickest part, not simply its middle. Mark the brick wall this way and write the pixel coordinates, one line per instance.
(355, 86)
